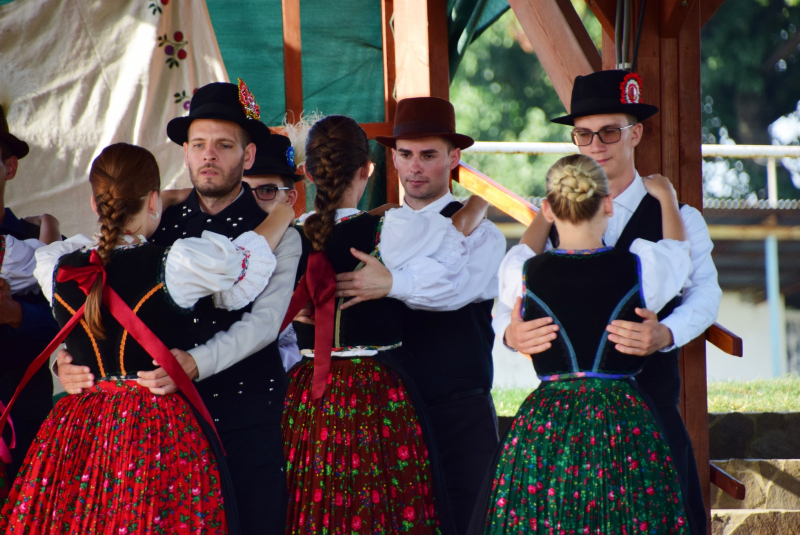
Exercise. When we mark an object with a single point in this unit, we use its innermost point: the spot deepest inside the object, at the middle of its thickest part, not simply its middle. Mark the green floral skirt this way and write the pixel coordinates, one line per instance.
(585, 456)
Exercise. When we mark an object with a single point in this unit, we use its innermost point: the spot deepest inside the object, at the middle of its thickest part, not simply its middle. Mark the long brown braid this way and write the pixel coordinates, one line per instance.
(121, 177)
(336, 149)
(576, 187)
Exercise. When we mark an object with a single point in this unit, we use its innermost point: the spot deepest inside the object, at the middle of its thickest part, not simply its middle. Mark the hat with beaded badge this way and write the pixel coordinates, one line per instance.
(275, 156)
(226, 102)
(604, 92)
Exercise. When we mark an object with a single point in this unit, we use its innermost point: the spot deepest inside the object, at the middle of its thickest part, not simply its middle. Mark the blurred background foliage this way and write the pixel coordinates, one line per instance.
(750, 54)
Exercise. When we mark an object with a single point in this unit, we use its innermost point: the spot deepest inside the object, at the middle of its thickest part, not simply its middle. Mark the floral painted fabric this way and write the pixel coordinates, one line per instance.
(357, 463)
(585, 456)
(117, 460)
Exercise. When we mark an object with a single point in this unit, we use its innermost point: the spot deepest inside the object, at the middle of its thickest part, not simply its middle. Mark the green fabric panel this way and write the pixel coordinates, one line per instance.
(250, 38)
(4, 2)
(343, 58)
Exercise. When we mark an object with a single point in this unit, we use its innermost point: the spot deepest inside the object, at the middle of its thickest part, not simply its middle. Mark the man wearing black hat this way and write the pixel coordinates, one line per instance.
(448, 333)
(272, 179)
(235, 355)
(606, 115)
(26, 323)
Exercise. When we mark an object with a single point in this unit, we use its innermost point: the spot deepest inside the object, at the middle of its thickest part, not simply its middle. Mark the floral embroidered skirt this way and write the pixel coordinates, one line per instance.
(585, 456)
(117, 460)
(356, 458)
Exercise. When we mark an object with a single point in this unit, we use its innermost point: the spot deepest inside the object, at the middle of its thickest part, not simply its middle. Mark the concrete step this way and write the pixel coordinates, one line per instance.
(770, 483)
(754, 522)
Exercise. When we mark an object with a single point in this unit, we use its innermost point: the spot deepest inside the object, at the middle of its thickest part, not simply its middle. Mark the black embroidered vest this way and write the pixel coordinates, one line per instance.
(135, 274)
(450, 352)
(583, 293)
(250, 392)
(660, 378)
(370, 324)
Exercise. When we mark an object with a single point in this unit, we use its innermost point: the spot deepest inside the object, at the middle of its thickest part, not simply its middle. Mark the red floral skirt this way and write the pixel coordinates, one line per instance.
(117, 460)
(356, 459)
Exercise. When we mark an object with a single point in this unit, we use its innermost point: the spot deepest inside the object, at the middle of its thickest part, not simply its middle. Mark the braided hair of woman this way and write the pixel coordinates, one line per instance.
(121, 177)
(576, 187)
(336, 149)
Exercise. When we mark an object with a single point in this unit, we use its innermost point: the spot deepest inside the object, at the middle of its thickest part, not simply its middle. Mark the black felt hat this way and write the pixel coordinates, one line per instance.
(275, 156)
(607, 92)
(17, 147)
(224, 101)
(420, 117)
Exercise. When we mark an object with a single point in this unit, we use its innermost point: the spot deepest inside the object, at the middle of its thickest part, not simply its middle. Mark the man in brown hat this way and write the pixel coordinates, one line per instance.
(449, 337)
(606, 115)
(26, 323)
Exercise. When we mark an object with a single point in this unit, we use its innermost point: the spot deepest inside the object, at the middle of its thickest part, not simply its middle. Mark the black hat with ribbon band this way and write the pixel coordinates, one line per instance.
(222, 101)
(275, 156)
(425, 117)
(605, 92)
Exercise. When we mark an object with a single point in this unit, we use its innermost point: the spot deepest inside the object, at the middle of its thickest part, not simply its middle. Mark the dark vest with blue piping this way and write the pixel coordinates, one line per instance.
(250, 392)
(448, 353)
(660, 378)
(372, 323)
(583, 293)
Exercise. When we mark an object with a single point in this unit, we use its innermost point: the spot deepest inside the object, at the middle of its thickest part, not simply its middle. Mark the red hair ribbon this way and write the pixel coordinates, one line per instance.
(85, 277)
(318, 285)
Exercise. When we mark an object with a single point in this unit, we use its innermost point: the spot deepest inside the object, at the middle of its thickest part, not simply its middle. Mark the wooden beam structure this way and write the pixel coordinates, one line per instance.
(293, 78)
(421, 51)
(707, 10)
(495, 194)
(389, 101)
(560, 40)
(673, 15)
(605, 12)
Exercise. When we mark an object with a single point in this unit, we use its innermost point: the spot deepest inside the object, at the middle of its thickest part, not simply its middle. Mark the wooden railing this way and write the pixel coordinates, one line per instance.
(523, 211)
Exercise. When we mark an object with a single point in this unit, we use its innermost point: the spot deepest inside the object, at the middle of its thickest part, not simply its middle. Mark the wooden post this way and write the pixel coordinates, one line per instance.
(293, 78)
(560, 40)
(420, 41)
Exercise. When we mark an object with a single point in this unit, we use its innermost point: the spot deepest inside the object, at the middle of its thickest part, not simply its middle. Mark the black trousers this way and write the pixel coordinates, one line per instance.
(258, 472)
(465, 431)
(686, 465)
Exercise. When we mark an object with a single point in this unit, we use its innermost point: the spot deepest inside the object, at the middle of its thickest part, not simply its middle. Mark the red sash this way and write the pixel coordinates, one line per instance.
(85, 277)
(318, 285)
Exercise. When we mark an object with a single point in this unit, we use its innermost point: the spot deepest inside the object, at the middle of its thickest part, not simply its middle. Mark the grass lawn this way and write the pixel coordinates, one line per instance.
(781, 394)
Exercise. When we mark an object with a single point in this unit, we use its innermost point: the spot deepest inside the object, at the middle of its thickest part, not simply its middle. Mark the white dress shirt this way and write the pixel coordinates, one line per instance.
(701, 293)
(429, 253)
(233, 272)
(17, 262)
(665, 267)
(424, 285)
(259, 327)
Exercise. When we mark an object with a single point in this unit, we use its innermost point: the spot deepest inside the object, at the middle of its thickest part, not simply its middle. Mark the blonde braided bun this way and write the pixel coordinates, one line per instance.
(576, 186)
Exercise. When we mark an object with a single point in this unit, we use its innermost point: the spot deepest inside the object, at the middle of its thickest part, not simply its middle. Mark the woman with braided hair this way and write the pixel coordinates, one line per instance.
(354, 442)
(116, 458)
(585, 453)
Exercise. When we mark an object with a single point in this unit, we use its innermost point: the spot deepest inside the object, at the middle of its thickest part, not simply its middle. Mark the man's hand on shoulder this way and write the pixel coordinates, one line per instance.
(529, 337)
(10, 309)
(640, 339)
(72, 377)
(373, 281)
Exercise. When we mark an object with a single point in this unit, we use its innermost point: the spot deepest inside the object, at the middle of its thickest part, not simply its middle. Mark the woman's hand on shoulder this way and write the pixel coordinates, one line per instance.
(661, 188)
(381, 210)
(171, 197)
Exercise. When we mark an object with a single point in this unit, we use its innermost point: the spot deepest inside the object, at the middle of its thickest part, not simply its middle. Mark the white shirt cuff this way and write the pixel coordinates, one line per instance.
(204, 360)
(674, 329)
(401, 285)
